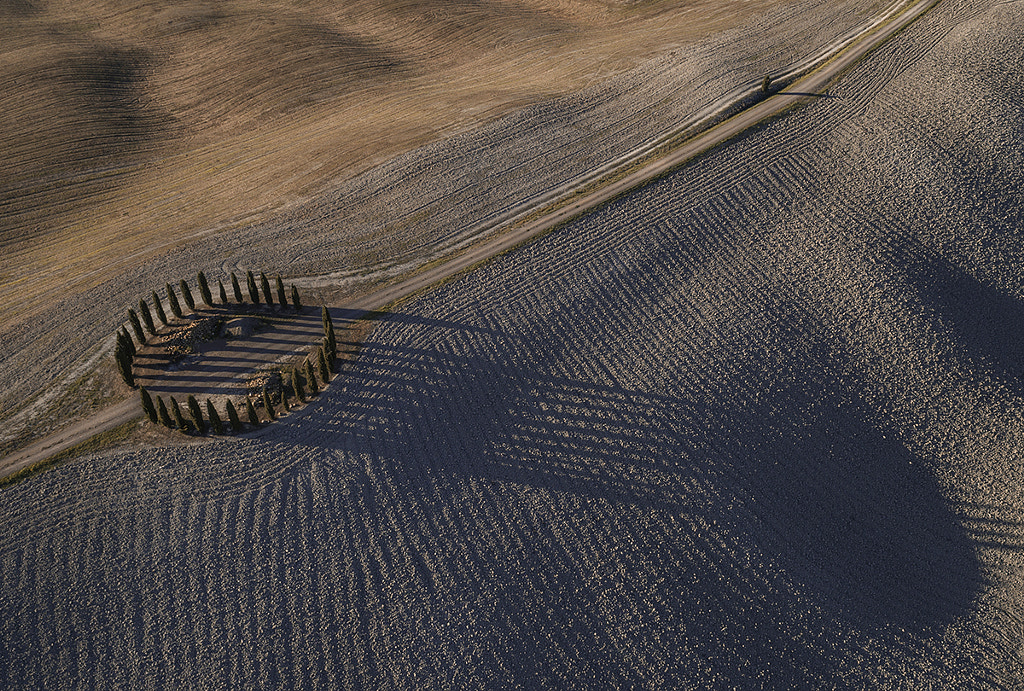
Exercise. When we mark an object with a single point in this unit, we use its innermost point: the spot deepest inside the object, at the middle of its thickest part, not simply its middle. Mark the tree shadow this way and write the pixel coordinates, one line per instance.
(801, 476)
(982, 324)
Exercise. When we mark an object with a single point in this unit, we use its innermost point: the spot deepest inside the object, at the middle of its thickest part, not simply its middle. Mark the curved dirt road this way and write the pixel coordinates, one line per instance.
(800, 91)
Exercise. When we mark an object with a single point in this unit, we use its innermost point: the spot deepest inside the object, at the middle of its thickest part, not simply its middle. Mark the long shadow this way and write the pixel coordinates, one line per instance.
(801, 475)
(982, 324)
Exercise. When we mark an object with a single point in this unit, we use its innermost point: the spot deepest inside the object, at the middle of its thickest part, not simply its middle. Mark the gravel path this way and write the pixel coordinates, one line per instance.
(758, 426)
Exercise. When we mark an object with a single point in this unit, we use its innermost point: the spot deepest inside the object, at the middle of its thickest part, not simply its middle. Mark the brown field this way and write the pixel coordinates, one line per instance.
(128, 129)
(755, 425)
(130, 168)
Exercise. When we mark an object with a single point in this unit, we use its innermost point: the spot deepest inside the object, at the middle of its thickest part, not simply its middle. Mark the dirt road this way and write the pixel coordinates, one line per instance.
(802, 90)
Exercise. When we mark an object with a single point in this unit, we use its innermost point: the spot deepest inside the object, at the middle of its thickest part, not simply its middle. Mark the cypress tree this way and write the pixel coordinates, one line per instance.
(236, 424)
(204, 289)
(197, 415)
(133, 319)
(284, 398)
(311, 379)
(265, 284)
(173, 299)
(119, 344)
(129, 344)
(325, 372)
(147, 318)
(296, 303)
(223, 293)
(160, 314)
(147, 403)
(124, 366)
(187, 295)
(281, 299)
(268, 405)
(254, 293)
(161, 413)
(332, 344)
(250, 409)
(237, 289)
(215, 422)
(300, 390)
(179, 419)
(327, 353)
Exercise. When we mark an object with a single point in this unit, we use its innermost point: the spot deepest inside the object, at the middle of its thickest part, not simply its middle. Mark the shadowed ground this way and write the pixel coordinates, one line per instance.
(751, 426)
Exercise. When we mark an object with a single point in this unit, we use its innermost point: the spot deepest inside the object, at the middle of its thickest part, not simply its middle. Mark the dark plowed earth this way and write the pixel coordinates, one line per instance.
(755, 425)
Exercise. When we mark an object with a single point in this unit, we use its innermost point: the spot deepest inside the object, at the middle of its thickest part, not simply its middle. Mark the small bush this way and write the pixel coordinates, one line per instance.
(765, 83)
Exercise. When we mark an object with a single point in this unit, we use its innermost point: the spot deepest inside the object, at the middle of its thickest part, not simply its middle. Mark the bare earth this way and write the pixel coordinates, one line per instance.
(218, 372)
(369, 228)
(755, 425)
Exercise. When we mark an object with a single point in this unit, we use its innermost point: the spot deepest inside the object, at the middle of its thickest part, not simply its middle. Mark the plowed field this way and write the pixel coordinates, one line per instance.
(755, 425)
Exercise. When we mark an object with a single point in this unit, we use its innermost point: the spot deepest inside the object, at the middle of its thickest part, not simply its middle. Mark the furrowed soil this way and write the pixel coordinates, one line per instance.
(185, 124)
(755, 425)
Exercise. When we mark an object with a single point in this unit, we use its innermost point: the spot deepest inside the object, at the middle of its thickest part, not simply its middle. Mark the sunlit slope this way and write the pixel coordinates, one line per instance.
(756, 425)
(126, 128)
(69, 285)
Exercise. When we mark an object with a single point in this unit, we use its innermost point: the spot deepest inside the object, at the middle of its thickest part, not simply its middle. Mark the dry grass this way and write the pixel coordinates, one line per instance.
(129, 130)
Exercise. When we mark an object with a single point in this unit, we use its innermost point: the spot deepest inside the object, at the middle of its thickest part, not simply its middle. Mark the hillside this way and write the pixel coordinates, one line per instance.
(755, 425)
(187, 196)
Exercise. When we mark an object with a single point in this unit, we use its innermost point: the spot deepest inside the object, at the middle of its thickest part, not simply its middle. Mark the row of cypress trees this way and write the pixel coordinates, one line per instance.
(171, 415)
(302, 378)
(124, 353)
(303, 381)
